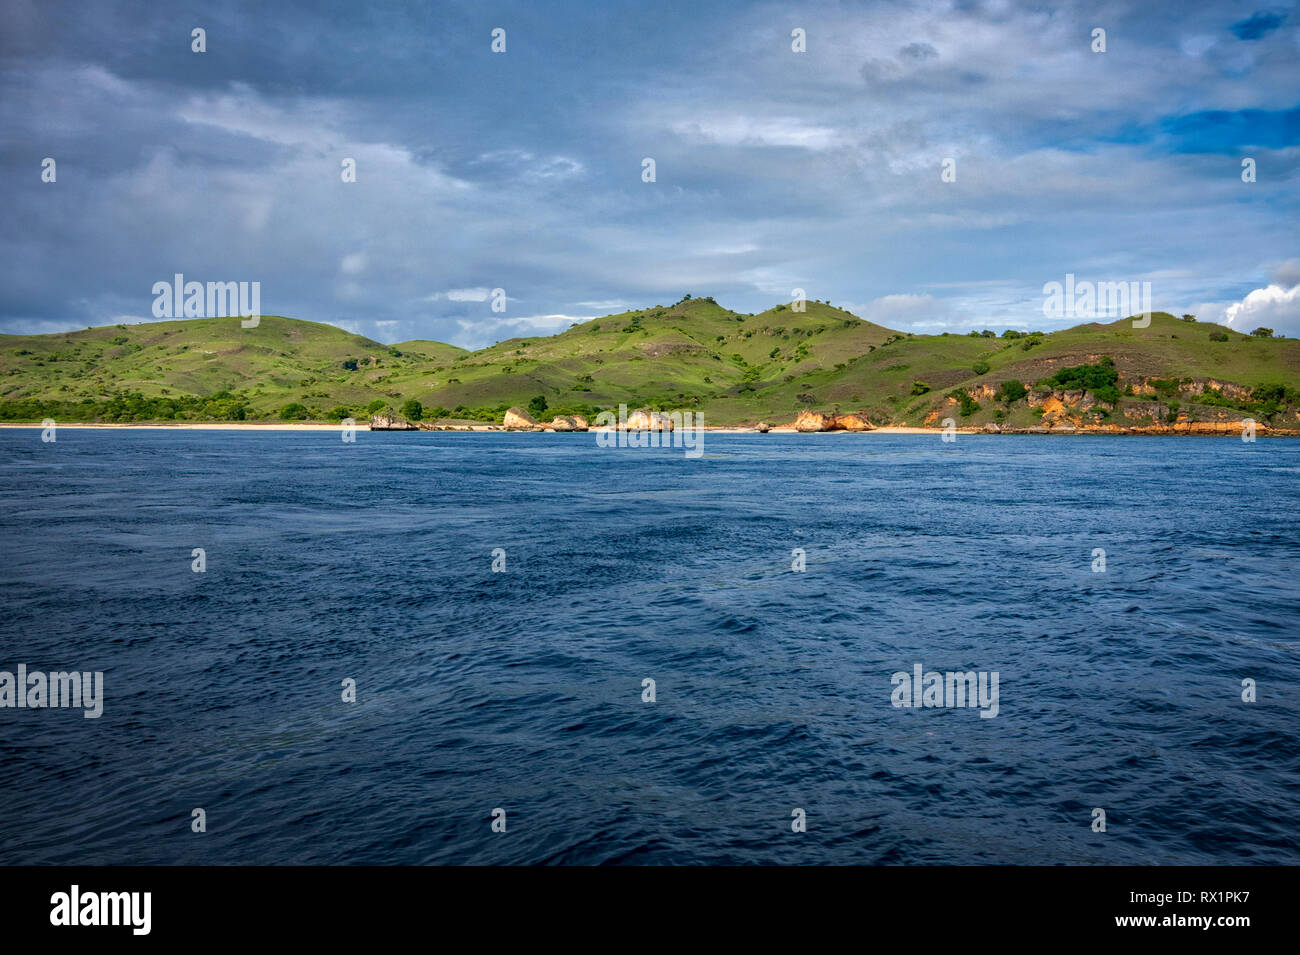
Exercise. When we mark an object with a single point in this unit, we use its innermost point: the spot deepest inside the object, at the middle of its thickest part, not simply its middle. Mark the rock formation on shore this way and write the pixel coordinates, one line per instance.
(1082, 411)
(517, 419)
(811, 421)
(642, 420)
(568, 423)
(808, 421)
(851, 422)
(388, 421)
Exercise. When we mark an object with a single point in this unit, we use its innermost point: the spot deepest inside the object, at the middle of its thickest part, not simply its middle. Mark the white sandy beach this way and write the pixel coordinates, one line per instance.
(196, 426)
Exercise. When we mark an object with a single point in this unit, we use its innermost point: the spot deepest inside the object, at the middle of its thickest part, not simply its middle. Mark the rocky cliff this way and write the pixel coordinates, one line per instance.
(812, 421)
(517, 419)
(388, 421)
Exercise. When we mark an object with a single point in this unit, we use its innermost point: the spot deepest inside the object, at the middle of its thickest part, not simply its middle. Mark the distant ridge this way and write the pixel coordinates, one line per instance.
(736, 368)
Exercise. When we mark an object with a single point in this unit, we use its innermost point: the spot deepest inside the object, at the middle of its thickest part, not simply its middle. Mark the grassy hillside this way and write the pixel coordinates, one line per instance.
(694, 354)
(735, 367)
(261, 369)
(884, 383)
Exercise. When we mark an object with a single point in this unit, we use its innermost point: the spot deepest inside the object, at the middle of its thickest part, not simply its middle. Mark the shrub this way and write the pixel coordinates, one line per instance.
(413, 410)
(294, 411)
(377, 405)
(1269, 399)
(1106, 393)
(1215, 397)
(980, 368)
(1218, 336)
(538, 404)
(968, 404)
(919, 387)
(1085, 377)
(1011, 391)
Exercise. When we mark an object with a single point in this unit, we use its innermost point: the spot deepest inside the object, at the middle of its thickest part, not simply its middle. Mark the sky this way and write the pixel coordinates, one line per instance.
(523, 170)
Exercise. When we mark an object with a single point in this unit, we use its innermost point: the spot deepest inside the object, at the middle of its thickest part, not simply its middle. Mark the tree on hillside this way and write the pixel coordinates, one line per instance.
(413, 410)
(1189, 318)
(968, 404)
(537, 405)
(1011, 391)
(1263, 333)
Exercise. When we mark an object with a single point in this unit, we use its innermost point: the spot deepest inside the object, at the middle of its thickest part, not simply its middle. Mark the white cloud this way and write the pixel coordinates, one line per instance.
(481, 330)
(1196, 45)
(462, 295)
(611, 305)
(756, 131)
(904, 311)
(529, 166)
(1272, 307)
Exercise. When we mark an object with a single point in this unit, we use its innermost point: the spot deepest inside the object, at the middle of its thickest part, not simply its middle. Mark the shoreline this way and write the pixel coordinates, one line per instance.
(736, 429)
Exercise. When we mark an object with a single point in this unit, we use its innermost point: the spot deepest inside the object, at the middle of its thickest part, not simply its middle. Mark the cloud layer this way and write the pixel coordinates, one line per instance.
(775, 170)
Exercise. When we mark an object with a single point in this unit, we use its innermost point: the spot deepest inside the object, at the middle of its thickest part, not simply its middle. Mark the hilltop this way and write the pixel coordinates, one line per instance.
(736, 368)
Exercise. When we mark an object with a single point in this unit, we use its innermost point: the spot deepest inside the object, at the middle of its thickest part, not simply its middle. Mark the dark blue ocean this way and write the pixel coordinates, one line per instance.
(522, 690)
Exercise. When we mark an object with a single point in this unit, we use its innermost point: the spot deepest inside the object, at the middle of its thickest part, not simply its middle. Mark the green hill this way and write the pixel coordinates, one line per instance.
(695, 354)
